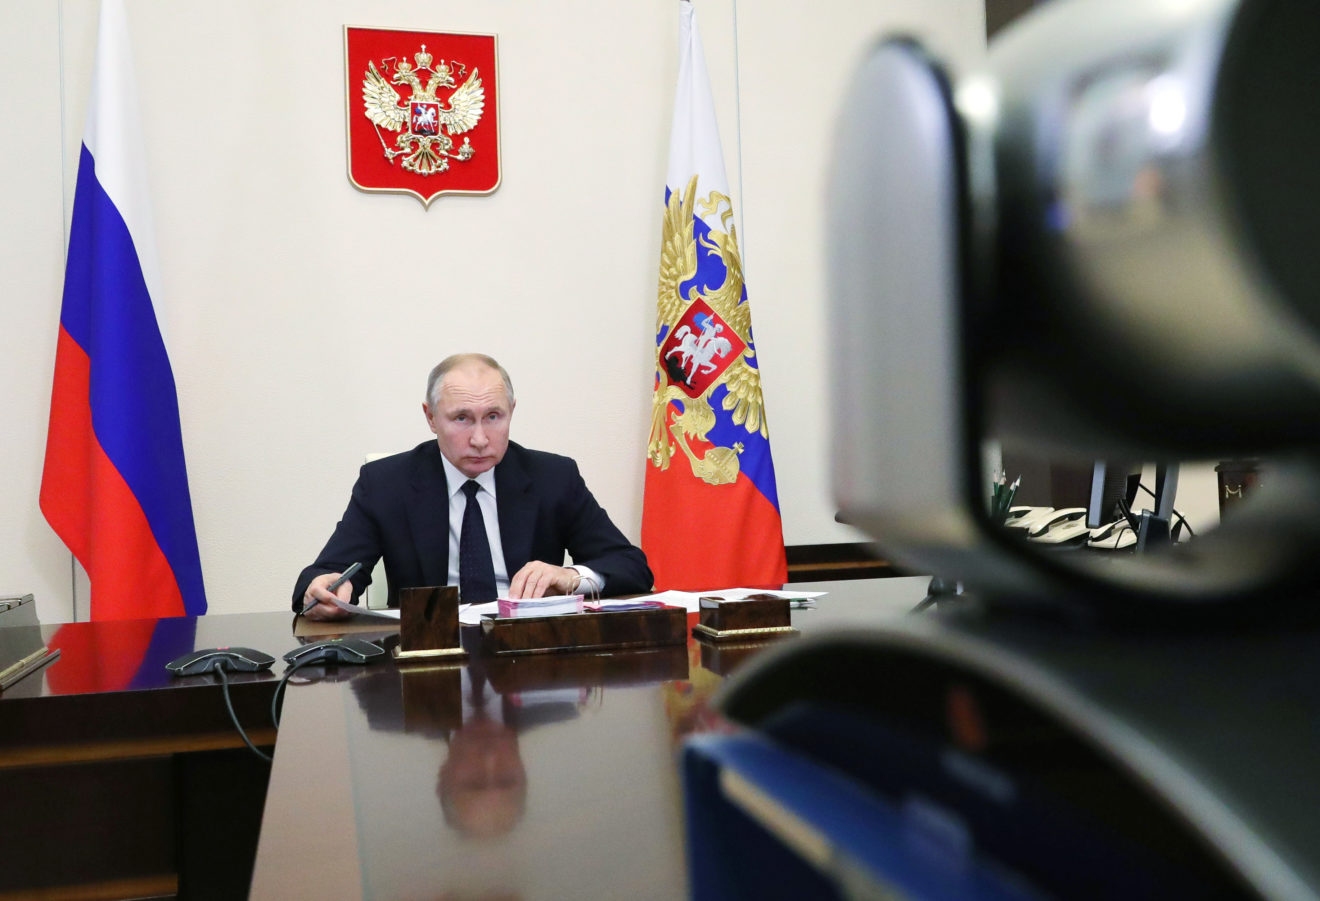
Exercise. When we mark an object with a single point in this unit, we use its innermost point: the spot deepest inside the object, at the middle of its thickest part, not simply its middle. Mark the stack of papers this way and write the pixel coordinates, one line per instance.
(553, 605)
(471, 614)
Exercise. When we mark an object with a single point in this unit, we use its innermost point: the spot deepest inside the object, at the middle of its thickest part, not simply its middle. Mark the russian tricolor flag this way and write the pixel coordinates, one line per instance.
(710, 516)
(115, 487)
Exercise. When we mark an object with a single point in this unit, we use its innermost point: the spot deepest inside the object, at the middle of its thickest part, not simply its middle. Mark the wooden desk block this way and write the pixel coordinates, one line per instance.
(585, 631)
(512, 673)
(743, 620)
(428, 624)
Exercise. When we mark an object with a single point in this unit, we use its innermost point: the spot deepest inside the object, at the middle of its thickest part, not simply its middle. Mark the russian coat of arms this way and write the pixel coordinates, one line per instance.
(421, 112)
(706, 380)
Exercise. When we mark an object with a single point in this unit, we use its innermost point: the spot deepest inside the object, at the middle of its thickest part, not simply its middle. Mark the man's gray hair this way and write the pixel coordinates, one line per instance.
(436, 380)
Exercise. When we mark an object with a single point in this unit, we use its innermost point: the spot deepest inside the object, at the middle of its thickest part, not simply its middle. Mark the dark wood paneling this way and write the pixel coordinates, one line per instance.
(590, 631)
(111, 821)
(219, 798)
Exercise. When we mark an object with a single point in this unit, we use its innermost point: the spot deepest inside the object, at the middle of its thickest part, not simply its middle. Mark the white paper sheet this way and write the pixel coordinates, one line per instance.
(471, 614)
(364, 610)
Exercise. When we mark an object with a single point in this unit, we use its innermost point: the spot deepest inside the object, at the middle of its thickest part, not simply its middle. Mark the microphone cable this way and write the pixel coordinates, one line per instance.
(279, 689)
(223, 672)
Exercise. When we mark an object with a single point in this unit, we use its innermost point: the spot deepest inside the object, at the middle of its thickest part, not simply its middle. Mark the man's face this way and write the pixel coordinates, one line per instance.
(471, 417)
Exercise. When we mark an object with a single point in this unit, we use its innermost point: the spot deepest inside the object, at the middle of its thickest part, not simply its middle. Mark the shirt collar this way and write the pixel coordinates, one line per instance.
(455, 479)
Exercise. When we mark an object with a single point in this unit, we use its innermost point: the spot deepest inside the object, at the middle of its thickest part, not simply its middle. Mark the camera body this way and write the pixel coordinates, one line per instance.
(1098, 245)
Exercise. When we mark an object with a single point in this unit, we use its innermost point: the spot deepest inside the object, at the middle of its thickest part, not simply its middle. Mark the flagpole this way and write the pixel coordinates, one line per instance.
(737, 110)
(64, 225)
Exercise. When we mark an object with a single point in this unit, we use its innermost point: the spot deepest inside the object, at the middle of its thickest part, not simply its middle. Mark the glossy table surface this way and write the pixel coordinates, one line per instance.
(533, 776)
(108, 694)
(130, 655)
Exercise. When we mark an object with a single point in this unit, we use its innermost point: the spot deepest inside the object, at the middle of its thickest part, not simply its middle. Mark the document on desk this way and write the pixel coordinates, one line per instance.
(364, 622)
(364, 610)
(551, 605)
(471, 614)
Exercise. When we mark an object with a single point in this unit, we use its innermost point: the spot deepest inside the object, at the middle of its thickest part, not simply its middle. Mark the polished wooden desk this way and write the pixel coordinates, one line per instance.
(539, 776)
(119, 780)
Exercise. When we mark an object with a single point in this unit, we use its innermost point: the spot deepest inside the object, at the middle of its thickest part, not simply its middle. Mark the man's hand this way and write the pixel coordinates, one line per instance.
(319, 591)
(538, 579)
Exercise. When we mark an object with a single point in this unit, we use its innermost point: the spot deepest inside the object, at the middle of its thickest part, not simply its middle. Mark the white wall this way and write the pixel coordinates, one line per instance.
(301, 339)
(31, 264)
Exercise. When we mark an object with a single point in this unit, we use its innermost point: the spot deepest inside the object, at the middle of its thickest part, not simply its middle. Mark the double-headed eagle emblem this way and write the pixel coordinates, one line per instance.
(425, 141)
(707, 341)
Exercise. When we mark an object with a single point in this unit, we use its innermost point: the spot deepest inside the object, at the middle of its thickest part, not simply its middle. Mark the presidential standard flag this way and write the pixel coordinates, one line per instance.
(114, 487)
(710, 517)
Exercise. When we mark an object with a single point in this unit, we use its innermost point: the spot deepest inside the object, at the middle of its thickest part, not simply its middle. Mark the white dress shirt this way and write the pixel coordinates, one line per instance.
(490, 515)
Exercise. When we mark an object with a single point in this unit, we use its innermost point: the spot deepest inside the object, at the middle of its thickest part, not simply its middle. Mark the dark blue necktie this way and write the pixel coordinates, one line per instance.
(476, 574)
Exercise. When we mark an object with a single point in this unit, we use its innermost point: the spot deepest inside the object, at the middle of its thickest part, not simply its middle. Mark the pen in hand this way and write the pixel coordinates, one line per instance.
(334, 586)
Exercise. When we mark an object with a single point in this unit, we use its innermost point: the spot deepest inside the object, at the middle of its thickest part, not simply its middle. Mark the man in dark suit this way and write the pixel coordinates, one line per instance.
(473, 508)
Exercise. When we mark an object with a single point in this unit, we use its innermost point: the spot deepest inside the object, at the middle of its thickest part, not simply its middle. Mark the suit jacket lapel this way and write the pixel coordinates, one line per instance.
(517, 508)
(428, 516)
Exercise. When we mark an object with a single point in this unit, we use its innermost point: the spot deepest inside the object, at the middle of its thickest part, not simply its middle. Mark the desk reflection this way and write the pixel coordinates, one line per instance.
(597, 806)
(501, 744)
(481, 783)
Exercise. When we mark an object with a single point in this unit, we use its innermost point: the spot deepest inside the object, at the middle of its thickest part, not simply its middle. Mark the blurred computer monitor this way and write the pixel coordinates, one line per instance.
(1111, 483)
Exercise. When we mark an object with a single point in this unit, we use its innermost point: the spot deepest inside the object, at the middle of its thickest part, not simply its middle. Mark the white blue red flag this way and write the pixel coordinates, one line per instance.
(710, 517)
(115, 487)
